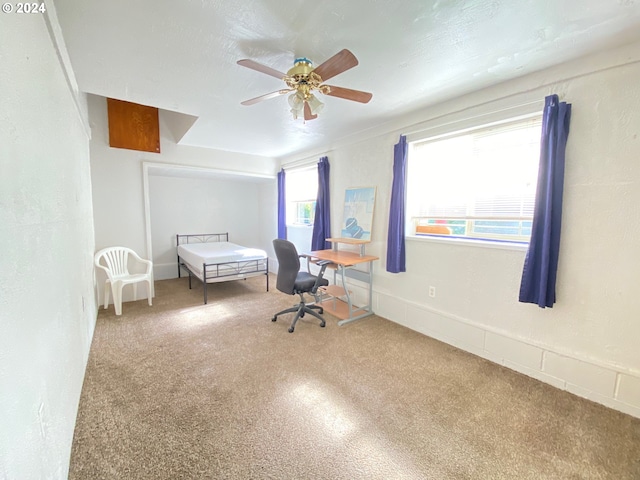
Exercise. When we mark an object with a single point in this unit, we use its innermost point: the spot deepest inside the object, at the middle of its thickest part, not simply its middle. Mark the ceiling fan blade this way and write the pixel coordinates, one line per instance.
(340, 62)
(307, 112)
(267, 96)
(261, 68)
(349, 94)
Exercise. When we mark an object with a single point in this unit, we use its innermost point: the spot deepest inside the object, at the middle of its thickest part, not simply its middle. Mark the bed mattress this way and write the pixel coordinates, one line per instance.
(240, 260)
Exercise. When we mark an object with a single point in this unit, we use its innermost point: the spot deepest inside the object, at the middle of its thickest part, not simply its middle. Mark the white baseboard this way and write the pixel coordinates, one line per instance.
(165, 271)
(610, 385)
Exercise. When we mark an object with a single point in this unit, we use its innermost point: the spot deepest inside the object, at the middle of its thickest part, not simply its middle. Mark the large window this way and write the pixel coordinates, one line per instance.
(478, 184)
(301, 193)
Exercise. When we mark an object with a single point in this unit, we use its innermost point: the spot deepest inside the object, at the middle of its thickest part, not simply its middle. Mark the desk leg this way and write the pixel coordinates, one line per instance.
(368, 310)
(346, 290)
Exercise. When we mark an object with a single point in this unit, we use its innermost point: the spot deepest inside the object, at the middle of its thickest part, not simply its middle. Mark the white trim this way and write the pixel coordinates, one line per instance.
(147, 209)
(57, 39)
(469, 242)
(206, 170)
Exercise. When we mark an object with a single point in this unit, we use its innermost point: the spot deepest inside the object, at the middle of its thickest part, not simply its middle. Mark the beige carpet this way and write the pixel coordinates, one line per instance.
(185, 390)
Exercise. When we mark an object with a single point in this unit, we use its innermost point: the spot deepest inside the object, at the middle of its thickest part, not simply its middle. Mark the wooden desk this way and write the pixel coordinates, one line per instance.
(339, 302)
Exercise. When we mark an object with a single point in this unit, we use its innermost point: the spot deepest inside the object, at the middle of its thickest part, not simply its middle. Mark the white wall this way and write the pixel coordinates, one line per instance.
(119, 197)
(47, 312)
(587, 343)
(301, 236)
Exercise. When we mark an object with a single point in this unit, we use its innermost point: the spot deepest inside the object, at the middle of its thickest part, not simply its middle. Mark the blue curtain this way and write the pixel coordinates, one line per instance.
(395, 240)
(282, 206)
(322, 221)
(541, 263)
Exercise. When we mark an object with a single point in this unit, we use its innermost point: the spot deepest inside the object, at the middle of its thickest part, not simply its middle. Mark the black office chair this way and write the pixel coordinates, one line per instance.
(291, 281)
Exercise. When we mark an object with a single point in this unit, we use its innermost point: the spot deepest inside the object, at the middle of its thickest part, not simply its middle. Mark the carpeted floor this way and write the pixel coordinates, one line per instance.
(182, 390)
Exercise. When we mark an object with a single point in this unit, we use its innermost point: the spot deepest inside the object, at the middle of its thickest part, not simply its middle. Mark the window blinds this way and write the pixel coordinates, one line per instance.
(483, 179)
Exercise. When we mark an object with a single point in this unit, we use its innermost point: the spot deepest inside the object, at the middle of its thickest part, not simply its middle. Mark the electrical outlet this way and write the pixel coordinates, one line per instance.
(432, 292)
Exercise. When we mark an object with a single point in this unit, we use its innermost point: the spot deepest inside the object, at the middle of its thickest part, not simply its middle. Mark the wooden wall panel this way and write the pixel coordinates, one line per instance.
(133, 126)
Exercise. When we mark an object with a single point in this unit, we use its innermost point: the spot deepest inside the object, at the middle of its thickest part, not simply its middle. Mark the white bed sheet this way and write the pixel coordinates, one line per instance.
(197, 254)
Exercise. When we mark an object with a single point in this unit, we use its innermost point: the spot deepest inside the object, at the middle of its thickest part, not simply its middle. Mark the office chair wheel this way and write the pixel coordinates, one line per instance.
(275, 317)
(322, 324)
(290, 329)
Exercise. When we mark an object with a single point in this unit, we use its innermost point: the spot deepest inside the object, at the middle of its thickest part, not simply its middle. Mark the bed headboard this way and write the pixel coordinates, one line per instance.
(202, 238)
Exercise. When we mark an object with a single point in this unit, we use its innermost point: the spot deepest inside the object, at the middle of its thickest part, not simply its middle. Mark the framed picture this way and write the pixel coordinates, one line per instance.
(358, 212)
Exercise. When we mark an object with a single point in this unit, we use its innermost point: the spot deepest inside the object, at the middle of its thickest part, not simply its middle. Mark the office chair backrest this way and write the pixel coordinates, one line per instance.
(288, 265)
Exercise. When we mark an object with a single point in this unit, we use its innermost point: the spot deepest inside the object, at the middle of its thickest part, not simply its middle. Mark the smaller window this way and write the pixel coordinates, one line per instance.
(477, 184)
(304, 212)
(301, 190)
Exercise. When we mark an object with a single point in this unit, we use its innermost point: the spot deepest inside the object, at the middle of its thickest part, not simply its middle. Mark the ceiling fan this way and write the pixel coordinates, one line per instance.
(303, 79)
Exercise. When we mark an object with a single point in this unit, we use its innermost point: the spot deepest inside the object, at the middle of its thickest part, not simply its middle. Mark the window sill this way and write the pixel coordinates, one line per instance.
(520, 247)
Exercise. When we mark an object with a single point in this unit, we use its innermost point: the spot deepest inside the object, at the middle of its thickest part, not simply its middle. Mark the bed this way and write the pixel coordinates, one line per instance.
(211, 258)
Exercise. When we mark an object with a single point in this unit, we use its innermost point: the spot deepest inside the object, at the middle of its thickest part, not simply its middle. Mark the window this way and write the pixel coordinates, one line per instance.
(301, 193)
(478, 184)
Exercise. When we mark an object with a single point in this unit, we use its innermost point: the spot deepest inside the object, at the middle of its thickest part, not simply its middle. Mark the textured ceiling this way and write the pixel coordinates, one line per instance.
(181, 56)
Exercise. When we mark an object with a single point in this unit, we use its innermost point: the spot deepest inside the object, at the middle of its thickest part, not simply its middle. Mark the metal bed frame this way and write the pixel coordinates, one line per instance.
(210, 271)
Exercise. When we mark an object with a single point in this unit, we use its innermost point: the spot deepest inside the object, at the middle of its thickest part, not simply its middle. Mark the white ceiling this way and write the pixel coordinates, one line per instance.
(181, 56)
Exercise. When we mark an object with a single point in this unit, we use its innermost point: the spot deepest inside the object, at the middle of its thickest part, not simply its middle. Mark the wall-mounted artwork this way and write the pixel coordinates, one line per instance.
(358, 212)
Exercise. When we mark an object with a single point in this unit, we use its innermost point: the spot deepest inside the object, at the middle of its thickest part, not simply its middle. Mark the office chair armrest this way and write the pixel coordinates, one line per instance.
(310, 260)
(323, 266)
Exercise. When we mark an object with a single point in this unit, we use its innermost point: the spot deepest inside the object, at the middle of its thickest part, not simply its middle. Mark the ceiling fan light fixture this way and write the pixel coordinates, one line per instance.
(296, 102)
(315, 105)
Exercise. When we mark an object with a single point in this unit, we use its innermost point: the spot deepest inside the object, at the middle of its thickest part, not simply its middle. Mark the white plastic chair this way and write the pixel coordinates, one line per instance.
(115, 262)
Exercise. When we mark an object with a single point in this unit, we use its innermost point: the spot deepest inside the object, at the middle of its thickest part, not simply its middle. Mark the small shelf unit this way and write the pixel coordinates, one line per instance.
(337, 299)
